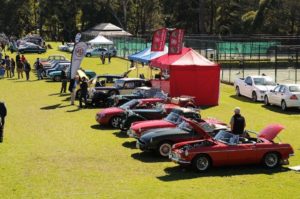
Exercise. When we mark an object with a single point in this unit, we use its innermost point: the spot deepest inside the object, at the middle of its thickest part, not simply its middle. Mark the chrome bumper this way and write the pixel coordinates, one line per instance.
(178, 160)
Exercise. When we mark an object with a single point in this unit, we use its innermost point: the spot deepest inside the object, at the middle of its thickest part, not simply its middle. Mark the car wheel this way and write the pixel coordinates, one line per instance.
(237, 91)
(88, 55)
(202, 163)
(115, 121)
(164, 149)
(271, 160)
(266, 100)
(56, 78)
(283, 105)
(254, 96)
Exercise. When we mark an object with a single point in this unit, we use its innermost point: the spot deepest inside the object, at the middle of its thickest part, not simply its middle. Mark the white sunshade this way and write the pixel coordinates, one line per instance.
(100, 40)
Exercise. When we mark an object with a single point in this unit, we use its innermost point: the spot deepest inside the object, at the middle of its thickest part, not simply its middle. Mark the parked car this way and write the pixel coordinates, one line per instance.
(254, 87)
(57, 67)
(161, 140)
(99, 51)
(31, 49)
(47, 62)
(99, 95)
(56, 75)
(171, 121)
(138, 93)
(135, 115)
(112, 116)
(65, 47)
(229, 149)
(284, 95)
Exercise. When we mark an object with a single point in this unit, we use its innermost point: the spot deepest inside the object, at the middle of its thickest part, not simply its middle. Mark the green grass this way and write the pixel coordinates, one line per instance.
(53, 150)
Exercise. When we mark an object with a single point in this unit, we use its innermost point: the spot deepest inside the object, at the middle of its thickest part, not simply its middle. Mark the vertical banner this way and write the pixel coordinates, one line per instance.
(176, 41)
(77, 56)
(159, 39)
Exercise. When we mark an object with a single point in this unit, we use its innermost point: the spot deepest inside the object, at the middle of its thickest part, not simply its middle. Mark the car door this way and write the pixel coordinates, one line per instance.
(241, 154)
(282, 93)
(272, 95)
(277, 95)
(248, 87)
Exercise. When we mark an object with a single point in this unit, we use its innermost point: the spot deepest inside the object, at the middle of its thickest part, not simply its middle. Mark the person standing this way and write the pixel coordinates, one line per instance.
(12, 66)
(72, 88)
(64, 80)
(19, 69)
(7, 66)
(3, 113)
(39, 68)
(83, 92)
(237, 122)
(23, 59)
(103, 58)
(27, 69)
(109, 57)
(18, 57)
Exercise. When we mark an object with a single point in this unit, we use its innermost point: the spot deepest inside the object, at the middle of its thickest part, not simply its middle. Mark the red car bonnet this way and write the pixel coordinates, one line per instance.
(271, 131)
(111, 110)
(196, 126)
(150, 123)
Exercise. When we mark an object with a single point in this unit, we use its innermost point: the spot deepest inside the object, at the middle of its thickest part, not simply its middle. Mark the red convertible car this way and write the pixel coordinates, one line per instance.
(229, 149)
(112, 116)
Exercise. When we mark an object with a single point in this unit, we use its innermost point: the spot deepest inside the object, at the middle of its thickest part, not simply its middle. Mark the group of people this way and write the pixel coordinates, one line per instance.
(83, 83)
(9, 65)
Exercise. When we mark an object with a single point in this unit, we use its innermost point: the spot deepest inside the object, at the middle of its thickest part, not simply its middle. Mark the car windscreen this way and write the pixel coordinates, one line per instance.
(130, 104)
(174, 118)
(263, 81)
(185, 126)
(295, 88)
(227, 137)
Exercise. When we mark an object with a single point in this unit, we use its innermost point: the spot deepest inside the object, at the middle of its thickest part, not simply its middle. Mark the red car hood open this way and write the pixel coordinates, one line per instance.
(151, 124)
(270, 132)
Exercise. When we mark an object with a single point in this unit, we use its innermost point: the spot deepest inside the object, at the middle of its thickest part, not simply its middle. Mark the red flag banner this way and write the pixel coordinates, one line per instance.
(175, 42)
(159, 39)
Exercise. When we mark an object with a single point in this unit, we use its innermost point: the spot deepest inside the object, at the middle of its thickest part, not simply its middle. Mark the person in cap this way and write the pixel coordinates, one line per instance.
(237, 122)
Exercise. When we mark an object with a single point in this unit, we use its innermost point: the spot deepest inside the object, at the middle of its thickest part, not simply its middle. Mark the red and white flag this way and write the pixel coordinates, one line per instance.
(159, 39)
(78, 54)
(176, 41)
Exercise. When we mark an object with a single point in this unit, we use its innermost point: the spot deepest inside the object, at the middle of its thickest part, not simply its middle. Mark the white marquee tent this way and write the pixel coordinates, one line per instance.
(99, 40)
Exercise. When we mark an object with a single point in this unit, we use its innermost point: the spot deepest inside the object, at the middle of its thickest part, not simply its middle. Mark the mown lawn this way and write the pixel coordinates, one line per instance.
(54, 150)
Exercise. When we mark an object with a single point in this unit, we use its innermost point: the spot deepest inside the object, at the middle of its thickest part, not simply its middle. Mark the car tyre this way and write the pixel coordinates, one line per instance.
(271, 160)
(113, 92)
(88, 55)
(266, 100)
(164, 148)
(237, 91)
(56, 78)
(254, 96)
(115, 121)
(201, 162)
(283, 105)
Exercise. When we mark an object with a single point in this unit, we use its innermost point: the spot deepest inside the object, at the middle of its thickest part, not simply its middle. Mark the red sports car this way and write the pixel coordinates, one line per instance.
(112, 116)
(229, 149)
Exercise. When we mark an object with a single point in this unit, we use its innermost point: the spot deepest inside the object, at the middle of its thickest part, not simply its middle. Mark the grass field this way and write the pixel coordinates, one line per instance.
(54, 150)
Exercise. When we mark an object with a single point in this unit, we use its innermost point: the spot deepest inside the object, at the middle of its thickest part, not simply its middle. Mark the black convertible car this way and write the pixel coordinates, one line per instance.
(161, 140)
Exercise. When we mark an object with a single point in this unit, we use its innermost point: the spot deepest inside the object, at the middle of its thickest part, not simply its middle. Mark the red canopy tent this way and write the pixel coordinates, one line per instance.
(190, 74)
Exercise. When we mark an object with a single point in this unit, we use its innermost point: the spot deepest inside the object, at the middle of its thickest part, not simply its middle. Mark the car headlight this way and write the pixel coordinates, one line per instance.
(262, 92)
(186, 152)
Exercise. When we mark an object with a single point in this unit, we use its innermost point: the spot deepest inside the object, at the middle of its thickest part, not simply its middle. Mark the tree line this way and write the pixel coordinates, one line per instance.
(62, 19)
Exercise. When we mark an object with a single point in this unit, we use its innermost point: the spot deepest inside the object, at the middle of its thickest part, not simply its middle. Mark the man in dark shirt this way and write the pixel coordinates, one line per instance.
(83, 92)
(237, 122)
(3, 113)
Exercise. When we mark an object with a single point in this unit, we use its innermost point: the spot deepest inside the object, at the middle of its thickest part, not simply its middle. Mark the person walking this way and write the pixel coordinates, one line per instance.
(109, 57)
(39, 68)
(64, 81)
(27, 69)
(7, 66)
(83, 92)
(12, 66)
(3, 113)
(103, 58)
(237, 122)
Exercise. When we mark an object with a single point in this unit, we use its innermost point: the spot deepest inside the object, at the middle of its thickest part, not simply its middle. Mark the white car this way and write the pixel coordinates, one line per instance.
(284, 95)
(254, 87)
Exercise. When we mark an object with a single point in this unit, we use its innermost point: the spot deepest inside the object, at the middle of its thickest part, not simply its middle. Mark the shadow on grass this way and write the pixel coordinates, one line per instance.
(53, 94)
(55, 106)
(66, 99)
(121, 134)
(244, 99)
(74, 110)
(64, 94)
(101, 127)
(277, 109)
(149, 157)
(12, 78)
(183, 173)
(129, 144)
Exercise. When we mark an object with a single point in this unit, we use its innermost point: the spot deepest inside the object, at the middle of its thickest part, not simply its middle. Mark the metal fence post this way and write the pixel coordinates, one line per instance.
(258, 59)
(296, 66)
(276, 64)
